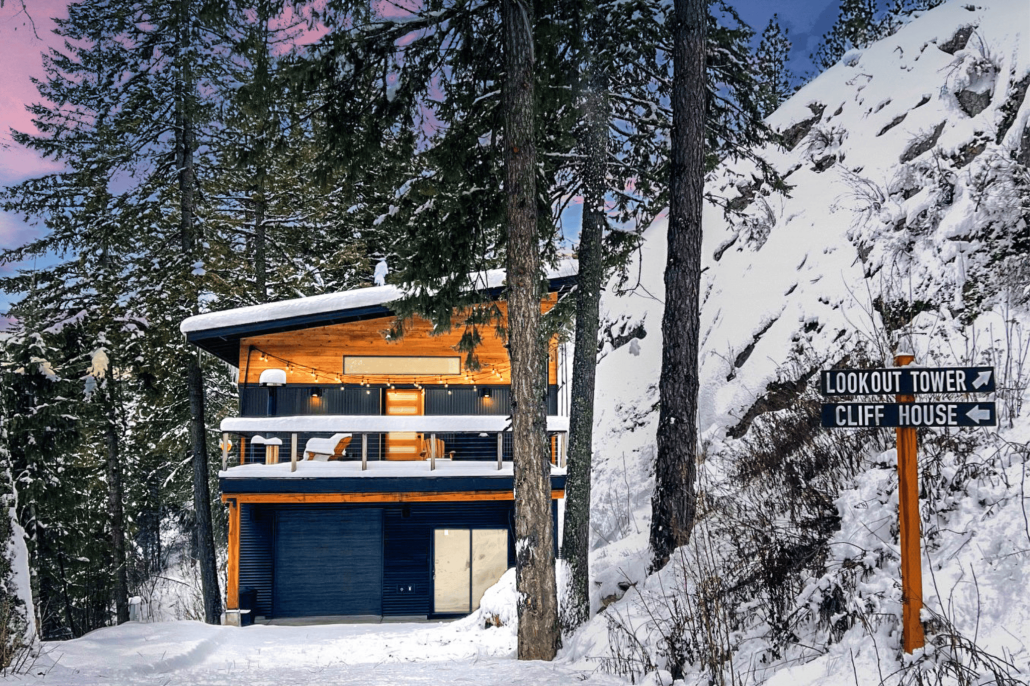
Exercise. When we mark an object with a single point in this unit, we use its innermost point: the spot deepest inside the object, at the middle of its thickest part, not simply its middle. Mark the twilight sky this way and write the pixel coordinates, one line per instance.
(20, 60)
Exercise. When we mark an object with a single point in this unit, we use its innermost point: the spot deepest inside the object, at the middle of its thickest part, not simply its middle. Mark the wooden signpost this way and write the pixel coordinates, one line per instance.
(906, 416)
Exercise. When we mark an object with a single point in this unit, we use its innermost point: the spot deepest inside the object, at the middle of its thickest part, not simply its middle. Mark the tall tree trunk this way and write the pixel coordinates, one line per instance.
(260, 264)
(261, 78)
(675, 498)
(594, 142)
(194, 375)
(115, 513)
(202, 496)
(534, 533)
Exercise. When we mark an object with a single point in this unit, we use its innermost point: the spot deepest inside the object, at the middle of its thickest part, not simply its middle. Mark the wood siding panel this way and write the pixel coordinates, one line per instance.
(232, 586)
(323, 347)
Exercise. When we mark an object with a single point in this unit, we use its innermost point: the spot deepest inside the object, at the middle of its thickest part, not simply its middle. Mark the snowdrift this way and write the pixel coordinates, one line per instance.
(908, 220)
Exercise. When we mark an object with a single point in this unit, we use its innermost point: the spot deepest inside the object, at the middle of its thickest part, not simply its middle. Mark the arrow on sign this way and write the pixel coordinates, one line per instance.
(983, 378)
(978, 414)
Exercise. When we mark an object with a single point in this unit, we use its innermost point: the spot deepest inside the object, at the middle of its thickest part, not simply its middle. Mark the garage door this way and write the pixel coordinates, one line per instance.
(328, 562)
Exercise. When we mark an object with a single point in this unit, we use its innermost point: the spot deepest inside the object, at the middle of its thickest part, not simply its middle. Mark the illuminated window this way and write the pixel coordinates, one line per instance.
(401, 366)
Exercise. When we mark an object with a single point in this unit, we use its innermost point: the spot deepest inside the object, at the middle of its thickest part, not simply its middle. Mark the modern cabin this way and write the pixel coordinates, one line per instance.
(367, 477)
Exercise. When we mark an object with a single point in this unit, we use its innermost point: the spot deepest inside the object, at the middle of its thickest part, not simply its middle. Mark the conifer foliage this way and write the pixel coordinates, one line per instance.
(860, 22)
(775, 80)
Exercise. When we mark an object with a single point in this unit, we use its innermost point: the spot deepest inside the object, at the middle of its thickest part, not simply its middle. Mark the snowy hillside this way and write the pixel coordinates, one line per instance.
(908, 222)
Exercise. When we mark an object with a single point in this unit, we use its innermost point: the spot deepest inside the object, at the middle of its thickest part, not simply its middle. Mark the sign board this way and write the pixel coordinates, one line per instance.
(908, 415)
(907, 381)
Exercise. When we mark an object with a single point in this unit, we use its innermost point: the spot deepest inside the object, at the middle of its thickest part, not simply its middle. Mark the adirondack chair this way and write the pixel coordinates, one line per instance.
(425, 447)
(326, 449)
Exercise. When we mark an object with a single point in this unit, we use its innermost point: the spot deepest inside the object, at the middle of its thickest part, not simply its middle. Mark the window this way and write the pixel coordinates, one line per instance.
(356, 365)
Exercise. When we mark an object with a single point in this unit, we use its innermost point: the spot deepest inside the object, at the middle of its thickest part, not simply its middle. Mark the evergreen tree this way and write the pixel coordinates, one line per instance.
(534, 571)
(130, 107)
(673, 505)
(593, 144)
(855, 27)
(861, 22)
(774, 78)
(277, 207)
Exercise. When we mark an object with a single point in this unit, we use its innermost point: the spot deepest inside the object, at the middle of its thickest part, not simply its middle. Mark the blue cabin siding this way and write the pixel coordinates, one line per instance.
(407, 531)
(296, 400)
(256, 554)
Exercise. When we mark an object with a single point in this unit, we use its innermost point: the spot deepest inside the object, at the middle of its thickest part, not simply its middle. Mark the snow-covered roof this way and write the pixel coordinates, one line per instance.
(334, 302)
(311, 469)
(378, 424)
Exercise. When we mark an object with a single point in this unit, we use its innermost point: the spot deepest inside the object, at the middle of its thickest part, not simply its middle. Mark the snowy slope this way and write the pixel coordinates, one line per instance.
(906, 226)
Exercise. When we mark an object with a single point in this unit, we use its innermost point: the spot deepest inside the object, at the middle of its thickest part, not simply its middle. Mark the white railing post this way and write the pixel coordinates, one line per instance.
(293, 452)
(364, 452)
(564, 437)
(225, 452)
(500, 449)
(432, 452)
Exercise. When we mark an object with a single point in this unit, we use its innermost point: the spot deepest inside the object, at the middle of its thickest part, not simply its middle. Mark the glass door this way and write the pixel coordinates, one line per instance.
(451, 563)
(489, 560)
(465, 564)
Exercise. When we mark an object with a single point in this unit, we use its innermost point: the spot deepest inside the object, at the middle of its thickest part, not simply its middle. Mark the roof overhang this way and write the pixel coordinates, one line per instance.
(220, 333)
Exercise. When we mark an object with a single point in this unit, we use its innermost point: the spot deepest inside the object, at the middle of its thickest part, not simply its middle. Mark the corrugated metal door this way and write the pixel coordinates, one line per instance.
(328, 562)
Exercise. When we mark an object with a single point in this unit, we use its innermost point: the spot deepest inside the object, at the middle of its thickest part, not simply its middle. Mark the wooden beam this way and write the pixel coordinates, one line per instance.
(912, 636)
(232, 585)
(408, 497)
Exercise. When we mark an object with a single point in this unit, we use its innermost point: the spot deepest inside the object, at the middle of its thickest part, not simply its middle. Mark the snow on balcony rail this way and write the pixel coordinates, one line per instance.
(415, 468)
(333, 302)
(379, 424)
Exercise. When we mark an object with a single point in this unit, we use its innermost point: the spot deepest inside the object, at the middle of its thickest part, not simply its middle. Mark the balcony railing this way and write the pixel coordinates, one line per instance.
(475, 438)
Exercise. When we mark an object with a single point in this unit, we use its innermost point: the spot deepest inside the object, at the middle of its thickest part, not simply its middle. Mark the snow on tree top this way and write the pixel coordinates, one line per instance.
(335, 302)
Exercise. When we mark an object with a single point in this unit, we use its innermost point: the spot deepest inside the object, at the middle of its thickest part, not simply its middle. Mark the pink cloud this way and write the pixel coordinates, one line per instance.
(21, 51)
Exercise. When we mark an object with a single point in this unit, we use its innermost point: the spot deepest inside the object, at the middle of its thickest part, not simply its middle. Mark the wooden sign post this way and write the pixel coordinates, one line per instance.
(907, 416)
(908, 516)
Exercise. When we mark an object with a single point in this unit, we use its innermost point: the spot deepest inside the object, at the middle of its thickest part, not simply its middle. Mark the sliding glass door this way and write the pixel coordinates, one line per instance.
(465, 564)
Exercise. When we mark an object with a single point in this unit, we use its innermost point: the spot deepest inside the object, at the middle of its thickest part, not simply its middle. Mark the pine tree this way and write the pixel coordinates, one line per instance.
(131, 106)
(860, 23)
(534, 572)
(593, 62)
(774, 78)
(855, 27)
(674, 502)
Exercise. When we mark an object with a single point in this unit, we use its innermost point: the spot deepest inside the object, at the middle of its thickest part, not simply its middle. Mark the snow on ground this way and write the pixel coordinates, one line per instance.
(170, 653)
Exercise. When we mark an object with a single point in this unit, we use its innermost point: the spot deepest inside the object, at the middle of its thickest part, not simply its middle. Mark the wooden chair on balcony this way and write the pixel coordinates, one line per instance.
(425, 447)
(326, 449)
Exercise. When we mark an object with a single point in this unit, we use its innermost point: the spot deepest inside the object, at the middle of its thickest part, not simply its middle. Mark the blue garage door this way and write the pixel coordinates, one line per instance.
(328, 562)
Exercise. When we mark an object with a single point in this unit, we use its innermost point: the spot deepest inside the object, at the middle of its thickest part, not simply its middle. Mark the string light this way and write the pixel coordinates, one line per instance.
(493, 374)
